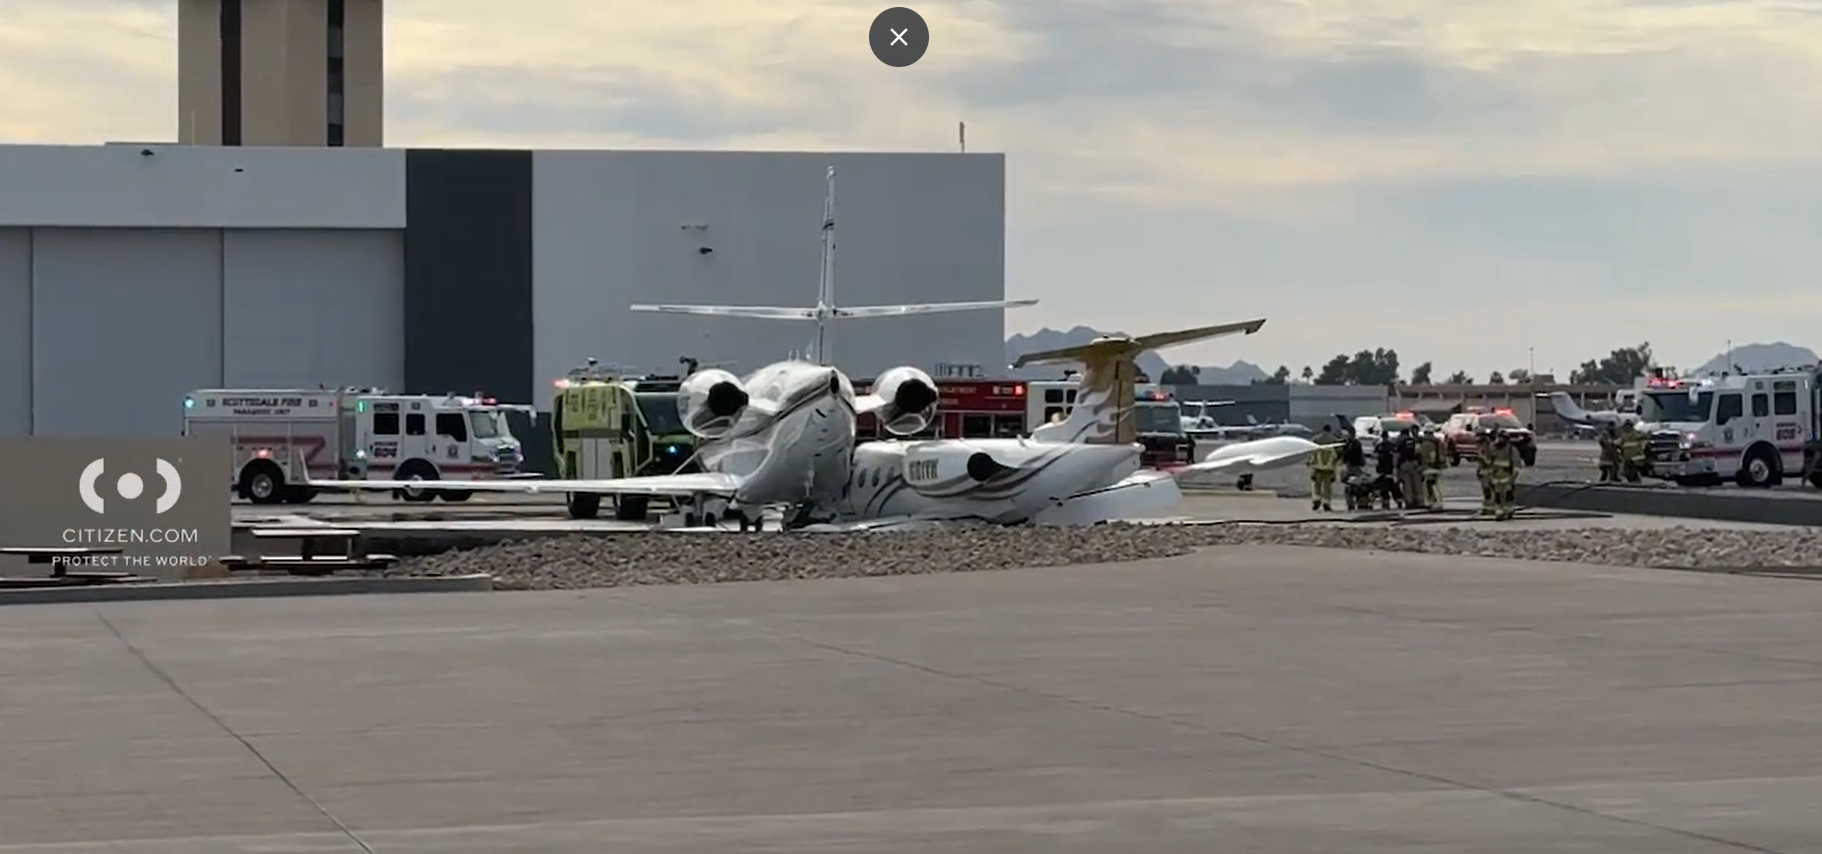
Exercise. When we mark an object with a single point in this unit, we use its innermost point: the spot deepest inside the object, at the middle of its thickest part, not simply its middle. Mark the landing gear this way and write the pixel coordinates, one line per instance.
(1245, 484)
(697, 511)
(739, 515)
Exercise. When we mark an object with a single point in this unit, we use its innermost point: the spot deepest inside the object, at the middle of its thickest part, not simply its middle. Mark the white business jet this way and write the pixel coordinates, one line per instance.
(1567, 409)
(784, 435)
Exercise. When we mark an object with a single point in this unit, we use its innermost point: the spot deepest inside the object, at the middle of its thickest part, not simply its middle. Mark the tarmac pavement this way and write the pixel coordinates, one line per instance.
(1261, 699)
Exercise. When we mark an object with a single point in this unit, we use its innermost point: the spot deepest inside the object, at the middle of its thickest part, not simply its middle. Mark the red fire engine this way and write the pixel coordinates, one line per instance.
(965, 409)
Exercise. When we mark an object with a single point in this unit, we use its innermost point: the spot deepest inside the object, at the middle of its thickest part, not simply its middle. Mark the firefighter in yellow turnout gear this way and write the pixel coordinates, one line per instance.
(1322, 471)
(1632, 453)
(1503, 466)
(1433, 456)
(1610, 455)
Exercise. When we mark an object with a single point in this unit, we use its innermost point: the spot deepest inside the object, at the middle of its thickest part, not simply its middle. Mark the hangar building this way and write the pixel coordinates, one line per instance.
(130, 274)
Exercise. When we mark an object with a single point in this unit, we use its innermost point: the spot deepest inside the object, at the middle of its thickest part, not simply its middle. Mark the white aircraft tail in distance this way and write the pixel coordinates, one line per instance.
(1107, 396)
(826, 310)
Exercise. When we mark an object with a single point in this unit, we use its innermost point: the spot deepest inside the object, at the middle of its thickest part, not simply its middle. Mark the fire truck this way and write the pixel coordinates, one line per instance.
(1157, 417)
(283, 438)
(965, 409)
(604, 425)
(1749, 428)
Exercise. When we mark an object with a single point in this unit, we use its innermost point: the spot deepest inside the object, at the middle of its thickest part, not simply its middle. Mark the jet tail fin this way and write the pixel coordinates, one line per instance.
(1103, 412)
(1567, 409)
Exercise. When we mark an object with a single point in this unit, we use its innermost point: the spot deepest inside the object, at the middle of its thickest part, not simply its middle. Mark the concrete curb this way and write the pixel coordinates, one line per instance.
(246, 589)
(1716, 505)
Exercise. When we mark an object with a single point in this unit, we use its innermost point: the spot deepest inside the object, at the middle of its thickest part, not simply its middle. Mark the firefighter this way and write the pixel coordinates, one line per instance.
(1632, 453)
(1385, 468)
(1610, 454)
(1503, 474)
(1483, 469)
(1410, 469)
(1353, 473)
(1433, 456)
(1322, 471)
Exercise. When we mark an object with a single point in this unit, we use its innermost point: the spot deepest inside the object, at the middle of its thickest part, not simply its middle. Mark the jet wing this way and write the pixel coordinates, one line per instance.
(695, 483)
(1262, 459)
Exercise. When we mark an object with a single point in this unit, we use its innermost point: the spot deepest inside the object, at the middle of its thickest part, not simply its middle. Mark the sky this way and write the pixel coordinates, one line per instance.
(1483, 185)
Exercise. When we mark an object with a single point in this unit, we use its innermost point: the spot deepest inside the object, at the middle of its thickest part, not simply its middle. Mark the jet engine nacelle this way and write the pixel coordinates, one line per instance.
(910, 397)
(711, 402)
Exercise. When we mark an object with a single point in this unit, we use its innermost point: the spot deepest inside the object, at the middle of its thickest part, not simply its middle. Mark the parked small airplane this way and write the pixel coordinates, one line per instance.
(1569, 411)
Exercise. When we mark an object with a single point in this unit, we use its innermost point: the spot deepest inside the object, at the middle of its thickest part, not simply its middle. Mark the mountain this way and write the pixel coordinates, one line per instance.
(1758, 357)
(1238, 373)
(1152, 364)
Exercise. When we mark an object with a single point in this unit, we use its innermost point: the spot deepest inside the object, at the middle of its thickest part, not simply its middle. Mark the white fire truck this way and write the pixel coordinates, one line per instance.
(284, 438)
(1749, 428)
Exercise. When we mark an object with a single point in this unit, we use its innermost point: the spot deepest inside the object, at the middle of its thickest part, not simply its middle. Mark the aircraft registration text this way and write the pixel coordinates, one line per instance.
(920, 470)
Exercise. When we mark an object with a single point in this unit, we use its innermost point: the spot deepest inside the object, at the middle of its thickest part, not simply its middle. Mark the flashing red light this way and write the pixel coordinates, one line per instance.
(1502, 410)
(263, 453)
(488, 401)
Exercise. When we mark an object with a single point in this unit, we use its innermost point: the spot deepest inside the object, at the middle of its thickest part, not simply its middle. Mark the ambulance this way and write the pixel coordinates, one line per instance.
(1749, 428)
(283, 438)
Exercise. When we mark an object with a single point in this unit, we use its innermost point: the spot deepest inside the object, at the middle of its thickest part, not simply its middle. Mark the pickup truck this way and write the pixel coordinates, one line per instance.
(1460, 435)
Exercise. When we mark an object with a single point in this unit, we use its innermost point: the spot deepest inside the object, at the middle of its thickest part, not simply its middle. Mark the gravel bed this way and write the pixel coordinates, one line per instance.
(643, 559)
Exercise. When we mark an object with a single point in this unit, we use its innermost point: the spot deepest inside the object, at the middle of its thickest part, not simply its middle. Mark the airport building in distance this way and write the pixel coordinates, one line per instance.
(267, 248)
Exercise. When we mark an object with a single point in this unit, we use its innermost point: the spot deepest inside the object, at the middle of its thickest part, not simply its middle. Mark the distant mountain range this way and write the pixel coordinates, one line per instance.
(1152, 364)
(1758, 357)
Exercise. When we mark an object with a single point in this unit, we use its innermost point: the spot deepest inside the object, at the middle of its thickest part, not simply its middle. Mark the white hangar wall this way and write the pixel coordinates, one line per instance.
(617, 228)
(127, 279)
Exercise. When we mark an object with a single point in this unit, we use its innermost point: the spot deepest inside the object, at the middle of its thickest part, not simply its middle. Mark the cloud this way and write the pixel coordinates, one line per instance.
(1623, 168)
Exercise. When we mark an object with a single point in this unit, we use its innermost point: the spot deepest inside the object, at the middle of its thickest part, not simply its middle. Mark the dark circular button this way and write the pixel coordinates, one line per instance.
(899, 37)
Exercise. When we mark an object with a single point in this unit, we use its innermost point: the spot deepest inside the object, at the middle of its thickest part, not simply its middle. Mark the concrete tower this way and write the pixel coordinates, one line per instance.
(281, 72)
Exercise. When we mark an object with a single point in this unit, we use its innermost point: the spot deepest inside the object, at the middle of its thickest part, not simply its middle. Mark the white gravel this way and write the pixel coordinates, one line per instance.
(643, 559)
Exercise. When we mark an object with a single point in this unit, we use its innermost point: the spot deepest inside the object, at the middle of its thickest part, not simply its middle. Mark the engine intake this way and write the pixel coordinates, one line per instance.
(910, 397)
(982, 467)
(711, 403)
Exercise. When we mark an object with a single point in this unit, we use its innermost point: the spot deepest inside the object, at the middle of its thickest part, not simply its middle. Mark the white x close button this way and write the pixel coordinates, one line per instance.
(899, 37)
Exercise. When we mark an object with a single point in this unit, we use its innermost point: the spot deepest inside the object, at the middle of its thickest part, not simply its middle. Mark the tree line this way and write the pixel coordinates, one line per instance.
(1380, 366)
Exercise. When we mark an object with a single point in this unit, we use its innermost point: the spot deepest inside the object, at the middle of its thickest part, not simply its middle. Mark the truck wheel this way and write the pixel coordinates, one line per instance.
(416, 470)
(299, 495)
(262, 483)
(1529, 455)
(1454, 458)
(1760, 468)
(632, 508)
(582, 505)
(456, 496)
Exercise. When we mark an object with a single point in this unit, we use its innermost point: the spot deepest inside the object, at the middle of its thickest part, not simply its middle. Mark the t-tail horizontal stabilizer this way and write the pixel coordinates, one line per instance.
(1103, 413)
(771, 312)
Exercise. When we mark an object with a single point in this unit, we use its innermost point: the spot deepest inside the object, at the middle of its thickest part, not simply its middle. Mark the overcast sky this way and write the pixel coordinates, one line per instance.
(1463, 180)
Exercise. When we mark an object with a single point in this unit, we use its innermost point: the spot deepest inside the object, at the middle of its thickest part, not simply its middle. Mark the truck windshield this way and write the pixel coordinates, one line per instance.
(659, 411)
(486, 425)
(1158, 418)
(1661, 406)
(1501, 421)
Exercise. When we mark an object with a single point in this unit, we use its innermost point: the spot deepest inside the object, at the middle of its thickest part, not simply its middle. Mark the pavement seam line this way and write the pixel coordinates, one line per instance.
(171, 683)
